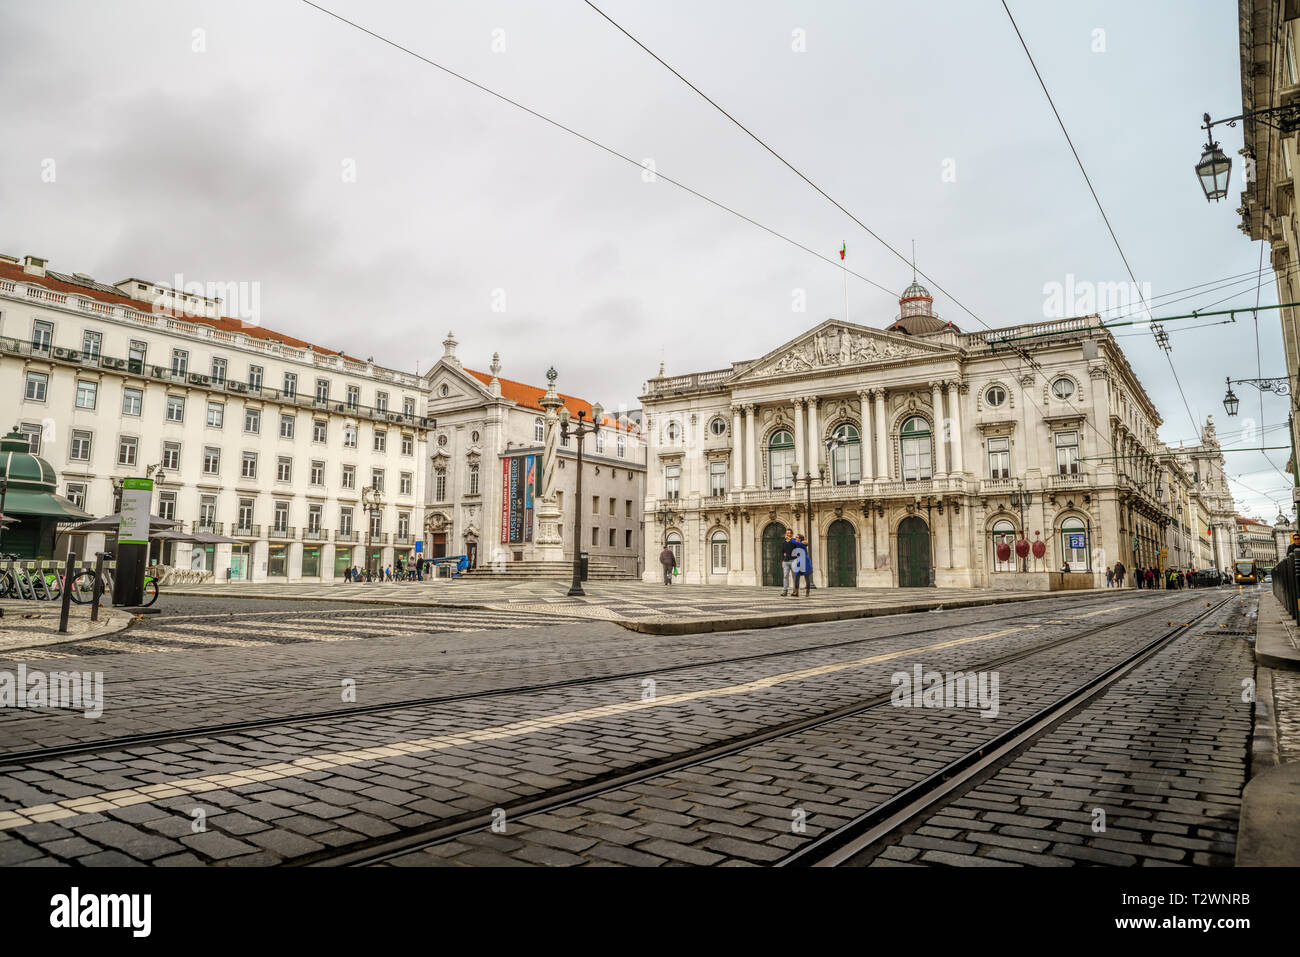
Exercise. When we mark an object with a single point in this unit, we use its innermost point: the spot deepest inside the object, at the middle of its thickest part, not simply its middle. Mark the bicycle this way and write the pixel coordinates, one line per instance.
(83, 587)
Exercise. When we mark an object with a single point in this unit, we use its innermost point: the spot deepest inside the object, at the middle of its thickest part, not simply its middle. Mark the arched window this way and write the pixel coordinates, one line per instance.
(718, 552)
(539, 430)
(846, 456)
(674, 543)
(1004, 533)
(1074, 544)
(916, 449)
(780, 460)
(673, 433)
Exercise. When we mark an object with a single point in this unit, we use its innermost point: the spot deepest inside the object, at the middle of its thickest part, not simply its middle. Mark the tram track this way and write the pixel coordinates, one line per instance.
(378, 850)
(858, 841)
(30, 756)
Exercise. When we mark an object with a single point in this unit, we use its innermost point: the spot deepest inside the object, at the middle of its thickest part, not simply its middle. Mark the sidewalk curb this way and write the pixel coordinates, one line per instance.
(58, 639)
(1268, 830)
(782, 620)
(1273, 648)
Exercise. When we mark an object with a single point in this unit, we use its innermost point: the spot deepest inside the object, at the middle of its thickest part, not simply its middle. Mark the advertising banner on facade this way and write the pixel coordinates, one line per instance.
(530, 481)
(516, 500)
(505, 500)
(137, 496)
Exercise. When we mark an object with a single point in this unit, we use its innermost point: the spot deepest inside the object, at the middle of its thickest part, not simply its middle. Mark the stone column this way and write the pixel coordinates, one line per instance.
(940, 447)
(882, 438)
(958, 436)
(814, 437)
(753, 478)
(864, 438)
(737, 451)
(799, 447)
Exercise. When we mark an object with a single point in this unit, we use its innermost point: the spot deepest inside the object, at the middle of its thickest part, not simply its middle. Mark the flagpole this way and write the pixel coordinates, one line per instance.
(844, 265)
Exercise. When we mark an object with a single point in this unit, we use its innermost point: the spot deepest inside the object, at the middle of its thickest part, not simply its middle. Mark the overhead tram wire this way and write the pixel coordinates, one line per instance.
(1020, 351)
(601, 146)
(1216, 286)
(1096, 199)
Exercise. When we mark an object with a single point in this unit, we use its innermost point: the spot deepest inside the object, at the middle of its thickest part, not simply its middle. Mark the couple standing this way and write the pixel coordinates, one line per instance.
(795, 561)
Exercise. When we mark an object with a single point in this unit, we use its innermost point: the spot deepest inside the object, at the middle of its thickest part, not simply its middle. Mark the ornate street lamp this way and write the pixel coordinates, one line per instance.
(665, 515)
(1230, 401)
(1214, 168)
(580, 431)
(807, 481)
(372, 504)
(1021, 499)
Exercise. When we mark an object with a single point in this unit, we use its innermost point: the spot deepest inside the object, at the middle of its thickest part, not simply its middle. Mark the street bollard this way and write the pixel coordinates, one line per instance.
(97, 589)
(66, 596)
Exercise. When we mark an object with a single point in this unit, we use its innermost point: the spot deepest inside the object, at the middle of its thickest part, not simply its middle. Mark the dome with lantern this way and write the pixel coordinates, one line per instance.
(916, 313)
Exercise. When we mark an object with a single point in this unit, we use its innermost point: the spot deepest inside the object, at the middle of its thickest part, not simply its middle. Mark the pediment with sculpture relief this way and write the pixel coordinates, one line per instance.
(840, 345)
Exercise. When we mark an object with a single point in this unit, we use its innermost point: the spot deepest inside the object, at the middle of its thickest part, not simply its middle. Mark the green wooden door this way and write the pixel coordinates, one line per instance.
(913, 553)
(773, 536)
(841, 555)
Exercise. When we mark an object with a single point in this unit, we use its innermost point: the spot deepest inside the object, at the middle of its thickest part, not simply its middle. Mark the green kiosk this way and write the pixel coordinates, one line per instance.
(28, 501)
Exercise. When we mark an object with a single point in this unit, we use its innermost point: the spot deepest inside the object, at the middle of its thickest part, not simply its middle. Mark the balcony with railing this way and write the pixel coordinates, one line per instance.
(400, 538)
(246, 530)
(348, 536)
(165, 373)
(206, 528)
(281, 532)
(314, 533)
(1067, 481)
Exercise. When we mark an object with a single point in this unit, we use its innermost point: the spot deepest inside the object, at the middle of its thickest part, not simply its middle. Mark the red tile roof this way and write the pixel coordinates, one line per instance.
(530, 397)
(14, 271)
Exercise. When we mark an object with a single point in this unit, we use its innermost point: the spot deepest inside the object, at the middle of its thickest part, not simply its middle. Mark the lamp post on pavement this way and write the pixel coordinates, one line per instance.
(580, 431)
(807, 481)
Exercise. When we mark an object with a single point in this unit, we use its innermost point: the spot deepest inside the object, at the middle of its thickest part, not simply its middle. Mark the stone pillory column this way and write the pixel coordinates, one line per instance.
(550, 547)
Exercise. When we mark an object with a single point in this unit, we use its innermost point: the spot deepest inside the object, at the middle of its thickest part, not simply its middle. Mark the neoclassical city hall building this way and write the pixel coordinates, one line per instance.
(916, 455)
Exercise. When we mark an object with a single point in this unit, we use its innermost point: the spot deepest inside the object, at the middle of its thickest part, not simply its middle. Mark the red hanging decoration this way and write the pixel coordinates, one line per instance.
(1040, 548)
(1022, 547)
(1004, 551)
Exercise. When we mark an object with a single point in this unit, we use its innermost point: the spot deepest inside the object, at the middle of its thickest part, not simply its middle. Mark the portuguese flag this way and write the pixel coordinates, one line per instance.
(843, 247)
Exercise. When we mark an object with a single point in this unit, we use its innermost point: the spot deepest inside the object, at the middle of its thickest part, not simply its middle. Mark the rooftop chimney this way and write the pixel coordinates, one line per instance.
(34, 266)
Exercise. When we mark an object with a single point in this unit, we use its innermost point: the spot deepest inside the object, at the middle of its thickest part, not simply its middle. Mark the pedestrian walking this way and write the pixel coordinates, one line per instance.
(669, 561)
(802, 566)
(1151, 578)
(347, 574)
(1110, 577)
(787, 564)
(1119, 574)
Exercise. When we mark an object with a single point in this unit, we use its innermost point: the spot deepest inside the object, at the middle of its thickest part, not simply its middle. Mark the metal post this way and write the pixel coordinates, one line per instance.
(576, 587)
(66, 596)
(97, 589)
(808, 483)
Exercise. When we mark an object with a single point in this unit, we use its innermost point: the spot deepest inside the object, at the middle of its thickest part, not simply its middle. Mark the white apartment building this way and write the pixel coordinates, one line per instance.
(254, 435)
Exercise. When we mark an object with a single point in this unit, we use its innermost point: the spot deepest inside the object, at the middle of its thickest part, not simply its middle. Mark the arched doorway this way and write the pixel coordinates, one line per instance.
(913, 553)
(841, 555)
(773, 536)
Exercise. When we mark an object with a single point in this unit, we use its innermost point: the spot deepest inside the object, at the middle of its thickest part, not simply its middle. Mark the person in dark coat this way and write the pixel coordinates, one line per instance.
(668, 560)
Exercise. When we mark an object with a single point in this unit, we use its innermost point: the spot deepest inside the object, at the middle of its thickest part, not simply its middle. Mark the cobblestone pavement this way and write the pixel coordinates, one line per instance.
(612, 601)
(271, 793)
(177, 632)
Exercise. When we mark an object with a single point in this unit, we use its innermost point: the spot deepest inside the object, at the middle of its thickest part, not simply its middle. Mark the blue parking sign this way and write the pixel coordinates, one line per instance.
(1078, 541)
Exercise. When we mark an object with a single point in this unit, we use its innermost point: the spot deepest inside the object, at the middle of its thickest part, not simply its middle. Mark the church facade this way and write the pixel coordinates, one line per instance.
(917, 455)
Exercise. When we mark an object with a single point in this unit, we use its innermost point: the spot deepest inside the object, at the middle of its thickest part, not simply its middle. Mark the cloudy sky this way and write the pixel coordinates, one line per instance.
(379, 202)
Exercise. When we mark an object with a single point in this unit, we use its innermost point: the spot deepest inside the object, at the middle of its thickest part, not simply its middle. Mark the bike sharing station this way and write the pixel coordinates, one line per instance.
(133, 545)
